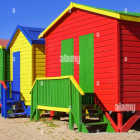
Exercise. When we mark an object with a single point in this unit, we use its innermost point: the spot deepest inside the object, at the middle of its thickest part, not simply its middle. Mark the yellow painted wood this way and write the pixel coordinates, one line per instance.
(87, 113)
(98, 11)
(53, 108)
(39, 60)
(39, 53)
(39, 64)
(20, 43)
(39, 47)
(33, 64)
(2, 47)
(40, 56)
(40, 73)
(62, 77)
(28, 103)
(42, 113)
(62, 14)
(91, 9)
(40, 68)
(27, 95)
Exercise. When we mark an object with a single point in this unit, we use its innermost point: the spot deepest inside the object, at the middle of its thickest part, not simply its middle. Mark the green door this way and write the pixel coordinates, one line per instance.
(86, 68)
(67, 54)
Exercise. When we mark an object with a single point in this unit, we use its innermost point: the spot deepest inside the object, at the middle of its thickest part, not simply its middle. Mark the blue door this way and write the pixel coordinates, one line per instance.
(16, 76)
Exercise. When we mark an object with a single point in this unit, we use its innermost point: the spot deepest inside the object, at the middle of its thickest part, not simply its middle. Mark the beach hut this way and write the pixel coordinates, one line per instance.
(27, 61)
(104, 45)
(4, 62)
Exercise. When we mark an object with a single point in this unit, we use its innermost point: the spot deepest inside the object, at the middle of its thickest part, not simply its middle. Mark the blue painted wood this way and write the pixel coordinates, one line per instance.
(4, 102)
(20, 113)
(30, 33)
(28, 111)
(16, 114)
(2, 109)
(8, 89)
(13, 101)
(16, 76)
(0, 93)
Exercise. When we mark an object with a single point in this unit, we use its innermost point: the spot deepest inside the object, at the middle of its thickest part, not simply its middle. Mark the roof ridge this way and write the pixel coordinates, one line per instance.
(30, 36)
(114, 11)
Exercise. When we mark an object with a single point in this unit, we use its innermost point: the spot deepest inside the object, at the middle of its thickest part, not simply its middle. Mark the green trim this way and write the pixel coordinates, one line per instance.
(114, 11)
(103, 118)
(86, 68)
(67, 51)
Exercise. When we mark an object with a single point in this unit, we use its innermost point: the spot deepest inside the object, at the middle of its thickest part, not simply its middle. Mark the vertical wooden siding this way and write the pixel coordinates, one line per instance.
(80, 23)
(39, 60)
(1, 64)
(4, 65)
(67, 49)
(7, 65)
(130, 63)
(21, 44)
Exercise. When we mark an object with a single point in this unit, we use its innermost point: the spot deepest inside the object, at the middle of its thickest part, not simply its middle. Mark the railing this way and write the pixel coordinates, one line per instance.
(60, 93)
(5, 95)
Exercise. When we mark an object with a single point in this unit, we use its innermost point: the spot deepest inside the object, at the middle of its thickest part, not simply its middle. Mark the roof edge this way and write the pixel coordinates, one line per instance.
(60, 16)
(20, 28)
(90, 9)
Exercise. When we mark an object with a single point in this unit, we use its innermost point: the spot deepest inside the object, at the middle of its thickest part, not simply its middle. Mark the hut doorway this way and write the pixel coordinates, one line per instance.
(16, 76)
(86, 67)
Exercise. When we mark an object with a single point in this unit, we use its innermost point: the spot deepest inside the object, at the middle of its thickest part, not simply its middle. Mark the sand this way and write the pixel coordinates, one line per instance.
(24, 129)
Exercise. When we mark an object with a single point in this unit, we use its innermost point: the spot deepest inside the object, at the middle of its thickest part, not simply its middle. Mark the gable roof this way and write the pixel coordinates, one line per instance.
(30, 33)
(4, 42)
(122, 15)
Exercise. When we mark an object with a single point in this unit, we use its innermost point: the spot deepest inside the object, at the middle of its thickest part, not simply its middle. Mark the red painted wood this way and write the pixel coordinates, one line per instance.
(118, 95)
(134, 66)
(130, 69)
(119, 120)
(112, 122)
(79, 23)
(130, 122)
(130, 83)
(3, 84)
(132, 49)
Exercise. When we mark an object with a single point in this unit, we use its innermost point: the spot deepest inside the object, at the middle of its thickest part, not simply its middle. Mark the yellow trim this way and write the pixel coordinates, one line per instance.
(2, 47)
(42, 113)
(130, 18)
(98, 11)
(77, 85)
(62, 77)
(90, 9)
(53, 108)
(53, 78)
(61, 15)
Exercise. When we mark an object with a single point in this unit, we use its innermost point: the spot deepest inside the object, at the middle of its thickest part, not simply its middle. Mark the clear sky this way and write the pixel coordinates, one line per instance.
(40, 13)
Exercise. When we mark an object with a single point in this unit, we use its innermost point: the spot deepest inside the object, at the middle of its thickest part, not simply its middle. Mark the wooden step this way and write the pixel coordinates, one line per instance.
(98, 114)
(88, 114)
(16, 114)
(96, 123)
(14, 109)
(88, 107)
(13, 101)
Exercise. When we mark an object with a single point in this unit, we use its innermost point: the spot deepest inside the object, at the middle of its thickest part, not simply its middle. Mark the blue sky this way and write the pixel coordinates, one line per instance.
(40, 13)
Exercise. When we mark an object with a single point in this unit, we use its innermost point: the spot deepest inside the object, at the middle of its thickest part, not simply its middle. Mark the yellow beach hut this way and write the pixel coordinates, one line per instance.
(27, 61)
